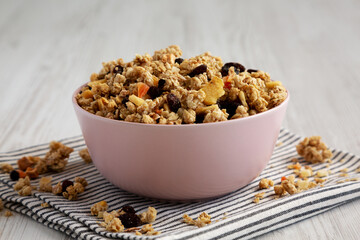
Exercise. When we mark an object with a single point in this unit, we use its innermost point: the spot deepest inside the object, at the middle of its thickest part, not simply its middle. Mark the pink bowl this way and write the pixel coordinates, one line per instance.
(182, 162)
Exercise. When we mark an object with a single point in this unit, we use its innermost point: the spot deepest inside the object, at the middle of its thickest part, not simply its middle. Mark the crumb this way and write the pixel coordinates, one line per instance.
(279, 190)
(344, 170)
(258, 196)
(305, 173)
(327, 165)
(133, 229)
(98, 208)
(44, 205)
(294, 166)
(343, 175)
(319, 180)
(149, 216)
(357, 170)
(45, 184)
(201, 221)
(328, 161)
(294, 160)
(289, 187)
(322, 173)
(256, 200)
(354, 179)
(1, 205)
(313, 150)
(342, 160)
(84, 154)
(149, 230)
(265, 183)
(341, 181)
(138, 233)
(271, 166)
(8, 213)
(279, 144)
(6, 167)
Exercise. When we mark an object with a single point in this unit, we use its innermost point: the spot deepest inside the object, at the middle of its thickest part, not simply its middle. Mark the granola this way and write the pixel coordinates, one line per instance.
(265, 183)
(84, 154)
(6, 167)
(99, 208)
(313, 150)
(149, 216)
(23, 186)
(8, 213)
(201, 221)
(45, 184)
(166, 89)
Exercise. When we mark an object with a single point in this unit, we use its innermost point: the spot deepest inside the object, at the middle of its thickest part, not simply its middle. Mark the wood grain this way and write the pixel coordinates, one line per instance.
(49, 48)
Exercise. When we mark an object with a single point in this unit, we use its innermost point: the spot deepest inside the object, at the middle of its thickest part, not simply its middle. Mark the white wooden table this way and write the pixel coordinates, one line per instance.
(49, 48)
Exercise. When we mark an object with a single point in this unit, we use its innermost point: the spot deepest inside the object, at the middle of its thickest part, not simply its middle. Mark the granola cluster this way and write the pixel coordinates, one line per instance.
(313, 150)
(125, 219)
(23, 186)
(201, 221)
(167, 89)
(69, 189)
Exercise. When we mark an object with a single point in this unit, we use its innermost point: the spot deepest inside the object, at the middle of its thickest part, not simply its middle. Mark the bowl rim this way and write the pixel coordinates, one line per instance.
(104, 119)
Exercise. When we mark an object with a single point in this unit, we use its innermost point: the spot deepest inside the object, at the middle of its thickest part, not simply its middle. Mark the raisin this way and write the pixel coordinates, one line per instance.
(179, 60)
(125, 99)
(65, 184)
(237, 67)
(161, 84)
(14, 175)
(154, 92)
(174, 102)
(230, 106)
(130, 220)
(200, 118)
(198, 70)
(118, 69)
(251, 70)
(128, 209)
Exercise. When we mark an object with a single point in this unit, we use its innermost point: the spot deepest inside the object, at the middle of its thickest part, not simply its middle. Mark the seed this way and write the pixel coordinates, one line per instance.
(251, 70)
(179, 60)
(118, 69)
(65, 184)
(130, 220)
(198, 70)
(174, 102)
(14, 175)
(128, 209)
(154, 92)
(237, 67)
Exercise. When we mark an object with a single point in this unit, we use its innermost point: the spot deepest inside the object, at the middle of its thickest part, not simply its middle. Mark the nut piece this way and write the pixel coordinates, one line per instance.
(149, 216)
(322, 173)
(99, 208)
(265, 183)
(84, 154)
(81, 180)
(213, 90)
(289, 187)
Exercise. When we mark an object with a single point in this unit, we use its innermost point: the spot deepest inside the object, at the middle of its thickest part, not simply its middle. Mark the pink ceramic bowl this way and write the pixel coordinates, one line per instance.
(182, 162)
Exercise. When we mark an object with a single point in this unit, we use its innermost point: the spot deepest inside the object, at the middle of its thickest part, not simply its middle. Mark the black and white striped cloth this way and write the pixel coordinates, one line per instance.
(244, 219)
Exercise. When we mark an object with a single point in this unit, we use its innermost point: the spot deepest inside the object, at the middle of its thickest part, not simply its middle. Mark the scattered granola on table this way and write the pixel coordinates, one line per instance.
(6, 167)
(149, 216)
(313, 150)
(44, 205)
(84, 154)
(69, 189)
(265, 183)
(166, 89)
(23, 186)
(45, 184)
(99, 208)
(201, 221)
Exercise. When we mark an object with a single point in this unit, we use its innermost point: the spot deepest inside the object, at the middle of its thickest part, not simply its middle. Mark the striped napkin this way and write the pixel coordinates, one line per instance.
(234, 215)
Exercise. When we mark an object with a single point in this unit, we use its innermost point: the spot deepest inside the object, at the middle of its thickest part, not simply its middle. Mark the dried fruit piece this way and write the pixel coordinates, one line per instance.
(65, 184)
(174, 102)
(230, 106)
(22, 174)
(251, 70)
(154, 92)
(179, 60)
(161, 84)
(142, 89)
(32, 173)
(213, 90)
(27, 161)
(130, 220)
(128, 209)
(237, 67)
(118, 69)
(198, 70)
(14, 175)
(136, 100)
